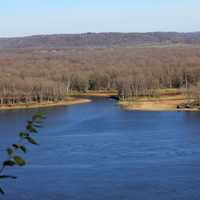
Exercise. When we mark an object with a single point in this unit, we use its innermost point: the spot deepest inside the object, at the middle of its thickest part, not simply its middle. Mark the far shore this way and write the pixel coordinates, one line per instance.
(69, 101)
(169, 103)
(97, 93)
(73, 98)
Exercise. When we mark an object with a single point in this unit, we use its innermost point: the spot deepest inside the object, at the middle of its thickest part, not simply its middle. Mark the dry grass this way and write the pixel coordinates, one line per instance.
(168, 101)
(152, 105)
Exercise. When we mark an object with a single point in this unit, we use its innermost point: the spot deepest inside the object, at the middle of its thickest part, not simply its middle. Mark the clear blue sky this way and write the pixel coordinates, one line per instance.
(29, 17)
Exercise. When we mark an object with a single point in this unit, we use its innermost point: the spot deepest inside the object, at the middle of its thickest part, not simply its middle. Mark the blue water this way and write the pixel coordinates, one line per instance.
(98, 151)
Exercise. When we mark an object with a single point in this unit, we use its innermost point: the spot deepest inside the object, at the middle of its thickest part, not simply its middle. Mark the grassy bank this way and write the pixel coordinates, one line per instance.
(168, 100)
(68, 101)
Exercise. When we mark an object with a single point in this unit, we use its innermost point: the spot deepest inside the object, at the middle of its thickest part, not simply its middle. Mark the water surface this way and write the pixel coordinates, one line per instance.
(98, 151)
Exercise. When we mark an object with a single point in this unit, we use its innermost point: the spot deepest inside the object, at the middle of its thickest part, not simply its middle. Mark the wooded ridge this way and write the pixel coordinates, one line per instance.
(48, 67)
(98, 40)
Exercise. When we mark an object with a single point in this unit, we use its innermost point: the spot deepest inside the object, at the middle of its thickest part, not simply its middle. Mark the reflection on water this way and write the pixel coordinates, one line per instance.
(99, 151)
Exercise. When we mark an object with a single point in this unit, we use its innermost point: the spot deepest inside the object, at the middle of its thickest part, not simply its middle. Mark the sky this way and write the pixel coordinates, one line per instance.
(32, 17)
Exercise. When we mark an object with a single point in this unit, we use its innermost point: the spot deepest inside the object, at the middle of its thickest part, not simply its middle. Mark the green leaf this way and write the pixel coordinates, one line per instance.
(23, 148)
(19, 161)
(16, 146)
(1, 191)
(22, 135)
(9, 151)
(31, 140)
(30, 128)
(38, 116)
(9, 163)
(29, 125)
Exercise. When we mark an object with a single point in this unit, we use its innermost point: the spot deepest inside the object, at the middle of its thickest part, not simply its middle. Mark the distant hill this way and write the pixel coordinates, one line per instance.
(99, 40)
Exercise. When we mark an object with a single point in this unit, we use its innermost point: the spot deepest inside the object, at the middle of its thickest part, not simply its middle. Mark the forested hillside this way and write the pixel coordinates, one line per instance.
(46, 68)
(98, 40)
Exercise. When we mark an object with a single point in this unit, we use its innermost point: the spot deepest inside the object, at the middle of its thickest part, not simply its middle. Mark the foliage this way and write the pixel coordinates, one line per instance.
(13, 159)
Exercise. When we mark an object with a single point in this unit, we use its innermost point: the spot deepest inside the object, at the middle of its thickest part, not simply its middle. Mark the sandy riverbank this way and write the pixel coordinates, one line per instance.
(165, 103)
(69, 101)
(74, 98)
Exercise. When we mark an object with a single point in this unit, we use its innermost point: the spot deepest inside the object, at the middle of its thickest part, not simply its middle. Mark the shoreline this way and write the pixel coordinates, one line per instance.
(97, 93)
(157, 104)
(167, 102)
(70, 101)
(73, 98)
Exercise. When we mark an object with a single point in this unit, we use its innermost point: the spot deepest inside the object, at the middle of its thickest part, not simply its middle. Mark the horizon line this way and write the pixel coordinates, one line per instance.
(103, 32)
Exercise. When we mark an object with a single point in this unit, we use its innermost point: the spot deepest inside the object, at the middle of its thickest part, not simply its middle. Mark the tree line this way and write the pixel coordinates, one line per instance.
(36, 75)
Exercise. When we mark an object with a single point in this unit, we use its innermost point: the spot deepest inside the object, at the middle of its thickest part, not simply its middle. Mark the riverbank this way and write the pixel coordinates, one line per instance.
(163, 103)
(96, 93)
(68, 101)
(73, 98)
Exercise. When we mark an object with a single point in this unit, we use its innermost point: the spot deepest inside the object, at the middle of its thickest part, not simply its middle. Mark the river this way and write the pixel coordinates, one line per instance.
(98, 151)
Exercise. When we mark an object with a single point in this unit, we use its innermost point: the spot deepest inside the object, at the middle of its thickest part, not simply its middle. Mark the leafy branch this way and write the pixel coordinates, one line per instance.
(13, 159)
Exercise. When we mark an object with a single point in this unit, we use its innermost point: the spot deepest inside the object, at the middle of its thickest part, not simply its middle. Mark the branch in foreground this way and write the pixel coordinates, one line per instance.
(13, 159)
